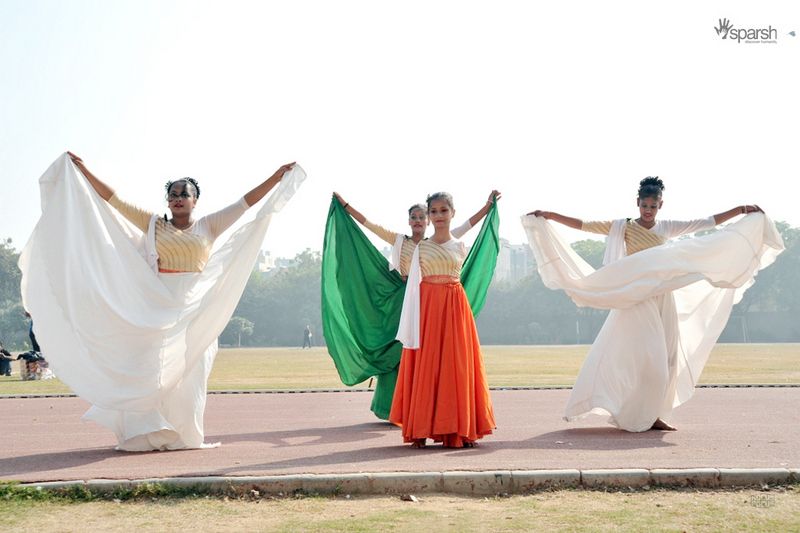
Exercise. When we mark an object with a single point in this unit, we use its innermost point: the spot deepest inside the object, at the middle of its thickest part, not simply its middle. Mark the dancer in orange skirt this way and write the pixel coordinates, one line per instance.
(441, 391)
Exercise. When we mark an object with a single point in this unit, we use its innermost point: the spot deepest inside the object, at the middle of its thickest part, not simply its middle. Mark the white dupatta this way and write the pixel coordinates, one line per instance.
(111, 329)
(707, 275)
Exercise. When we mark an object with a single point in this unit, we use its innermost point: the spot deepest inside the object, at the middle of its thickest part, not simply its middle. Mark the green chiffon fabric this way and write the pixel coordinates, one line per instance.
(362, 300)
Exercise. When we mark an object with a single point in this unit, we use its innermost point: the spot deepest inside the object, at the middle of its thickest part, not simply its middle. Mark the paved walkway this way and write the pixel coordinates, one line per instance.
(43, 439)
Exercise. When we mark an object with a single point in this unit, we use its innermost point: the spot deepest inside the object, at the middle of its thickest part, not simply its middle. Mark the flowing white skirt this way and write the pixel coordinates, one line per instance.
(669, 304)
(137, 345)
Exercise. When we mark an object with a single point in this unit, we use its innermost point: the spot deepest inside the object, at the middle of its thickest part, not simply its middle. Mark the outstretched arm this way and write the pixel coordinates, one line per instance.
(253, 197)
(719, 218)
(99, 186)
(477, 217)
(383, 233)
(461, 230)
(574, 223)
(352, 211)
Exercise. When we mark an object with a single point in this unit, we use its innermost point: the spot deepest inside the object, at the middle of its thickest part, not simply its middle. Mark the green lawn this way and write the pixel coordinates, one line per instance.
(565, 510)
(293, 368)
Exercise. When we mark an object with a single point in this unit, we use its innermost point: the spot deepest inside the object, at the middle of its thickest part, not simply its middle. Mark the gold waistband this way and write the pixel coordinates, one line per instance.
(441, 279)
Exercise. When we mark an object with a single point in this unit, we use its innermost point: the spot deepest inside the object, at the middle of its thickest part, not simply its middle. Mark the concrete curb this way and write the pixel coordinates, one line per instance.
(23, 396)
(689, 477)
(465, 483)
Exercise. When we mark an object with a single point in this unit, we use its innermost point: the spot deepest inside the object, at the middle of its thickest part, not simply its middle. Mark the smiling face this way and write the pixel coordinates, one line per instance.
(648, 209)
(181, 198)
(418, 221)
(440, 213)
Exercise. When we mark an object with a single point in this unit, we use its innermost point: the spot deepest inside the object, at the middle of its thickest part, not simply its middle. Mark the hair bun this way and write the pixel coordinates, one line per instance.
(651, 186)
(652, 181)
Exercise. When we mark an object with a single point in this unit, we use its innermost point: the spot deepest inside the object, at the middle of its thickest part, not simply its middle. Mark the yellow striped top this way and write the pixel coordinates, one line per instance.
(407, 251)
(638, 238)
(441, 259)
(182, 250)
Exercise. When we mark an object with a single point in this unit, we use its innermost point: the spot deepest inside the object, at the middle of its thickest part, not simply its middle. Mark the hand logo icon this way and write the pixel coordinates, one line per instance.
(724, 26)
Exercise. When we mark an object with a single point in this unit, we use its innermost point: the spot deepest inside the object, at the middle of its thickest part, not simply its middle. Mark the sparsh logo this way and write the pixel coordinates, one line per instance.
(727, 31)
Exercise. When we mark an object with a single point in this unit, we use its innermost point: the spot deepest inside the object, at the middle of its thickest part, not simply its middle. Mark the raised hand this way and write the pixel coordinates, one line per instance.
(278, 175)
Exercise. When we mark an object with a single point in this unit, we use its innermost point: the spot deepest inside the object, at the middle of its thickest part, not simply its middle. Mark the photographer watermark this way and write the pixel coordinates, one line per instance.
(727, 31)
(763, 501)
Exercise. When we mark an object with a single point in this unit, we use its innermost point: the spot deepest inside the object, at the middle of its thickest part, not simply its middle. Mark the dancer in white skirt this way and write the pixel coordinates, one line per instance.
(129, 304)
(669, 301)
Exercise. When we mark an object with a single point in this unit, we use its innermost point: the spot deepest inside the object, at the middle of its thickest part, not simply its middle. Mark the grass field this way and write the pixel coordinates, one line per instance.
(292, 368)
(565, 510)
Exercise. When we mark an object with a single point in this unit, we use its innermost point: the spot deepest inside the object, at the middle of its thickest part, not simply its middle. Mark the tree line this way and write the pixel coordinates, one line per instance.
(276, 306)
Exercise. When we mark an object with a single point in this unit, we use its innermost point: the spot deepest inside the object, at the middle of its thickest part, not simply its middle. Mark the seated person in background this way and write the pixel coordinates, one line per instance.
(5, 361)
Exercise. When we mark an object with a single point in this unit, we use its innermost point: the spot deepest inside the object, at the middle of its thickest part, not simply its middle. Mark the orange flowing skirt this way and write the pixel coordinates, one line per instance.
(441, 390)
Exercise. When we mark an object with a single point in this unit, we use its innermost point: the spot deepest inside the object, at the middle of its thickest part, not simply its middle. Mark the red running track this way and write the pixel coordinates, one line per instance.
(43, 439)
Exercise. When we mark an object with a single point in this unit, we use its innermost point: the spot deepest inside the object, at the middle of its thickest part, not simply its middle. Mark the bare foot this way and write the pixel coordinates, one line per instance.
(419, 443)
(663, 426)
(468, 444)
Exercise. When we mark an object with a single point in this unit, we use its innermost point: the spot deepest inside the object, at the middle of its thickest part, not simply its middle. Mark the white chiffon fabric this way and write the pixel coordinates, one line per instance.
(137, 345)
(408, 329)
(669, 304)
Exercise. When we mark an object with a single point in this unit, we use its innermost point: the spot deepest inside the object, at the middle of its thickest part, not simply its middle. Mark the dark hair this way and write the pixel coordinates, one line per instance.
(191, 181)
(446, 196)
(650, 187)
(417, 206)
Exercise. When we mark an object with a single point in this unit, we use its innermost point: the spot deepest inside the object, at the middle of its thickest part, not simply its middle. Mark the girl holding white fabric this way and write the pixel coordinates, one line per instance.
(668, 302)
(138, 344)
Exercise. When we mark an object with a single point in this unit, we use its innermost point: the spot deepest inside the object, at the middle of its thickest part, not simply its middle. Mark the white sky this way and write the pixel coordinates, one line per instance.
(562, 106)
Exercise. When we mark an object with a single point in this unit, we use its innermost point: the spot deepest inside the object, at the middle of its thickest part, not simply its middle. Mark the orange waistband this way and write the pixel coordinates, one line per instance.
(441, 279)
(168, 271)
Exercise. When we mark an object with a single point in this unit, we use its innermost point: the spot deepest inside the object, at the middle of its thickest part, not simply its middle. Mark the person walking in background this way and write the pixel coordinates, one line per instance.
(307, 335)
(669, 301)
(34, 345)
(130, 304)
(442, 392)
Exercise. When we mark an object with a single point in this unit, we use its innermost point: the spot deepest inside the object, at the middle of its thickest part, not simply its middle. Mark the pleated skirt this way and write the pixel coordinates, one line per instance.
(630, 373)
(441, 390)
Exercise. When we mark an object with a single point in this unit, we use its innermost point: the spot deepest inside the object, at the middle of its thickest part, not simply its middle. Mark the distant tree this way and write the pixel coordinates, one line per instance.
(591, 251)
(238, 326)
(9, 272)
(280, 303)
(13, 328)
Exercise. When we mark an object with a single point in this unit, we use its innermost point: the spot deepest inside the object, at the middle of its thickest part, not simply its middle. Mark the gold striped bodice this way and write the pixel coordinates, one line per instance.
(441, 259)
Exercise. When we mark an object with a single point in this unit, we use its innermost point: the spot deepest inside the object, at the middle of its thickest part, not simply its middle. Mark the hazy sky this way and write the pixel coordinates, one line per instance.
(562, 106)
